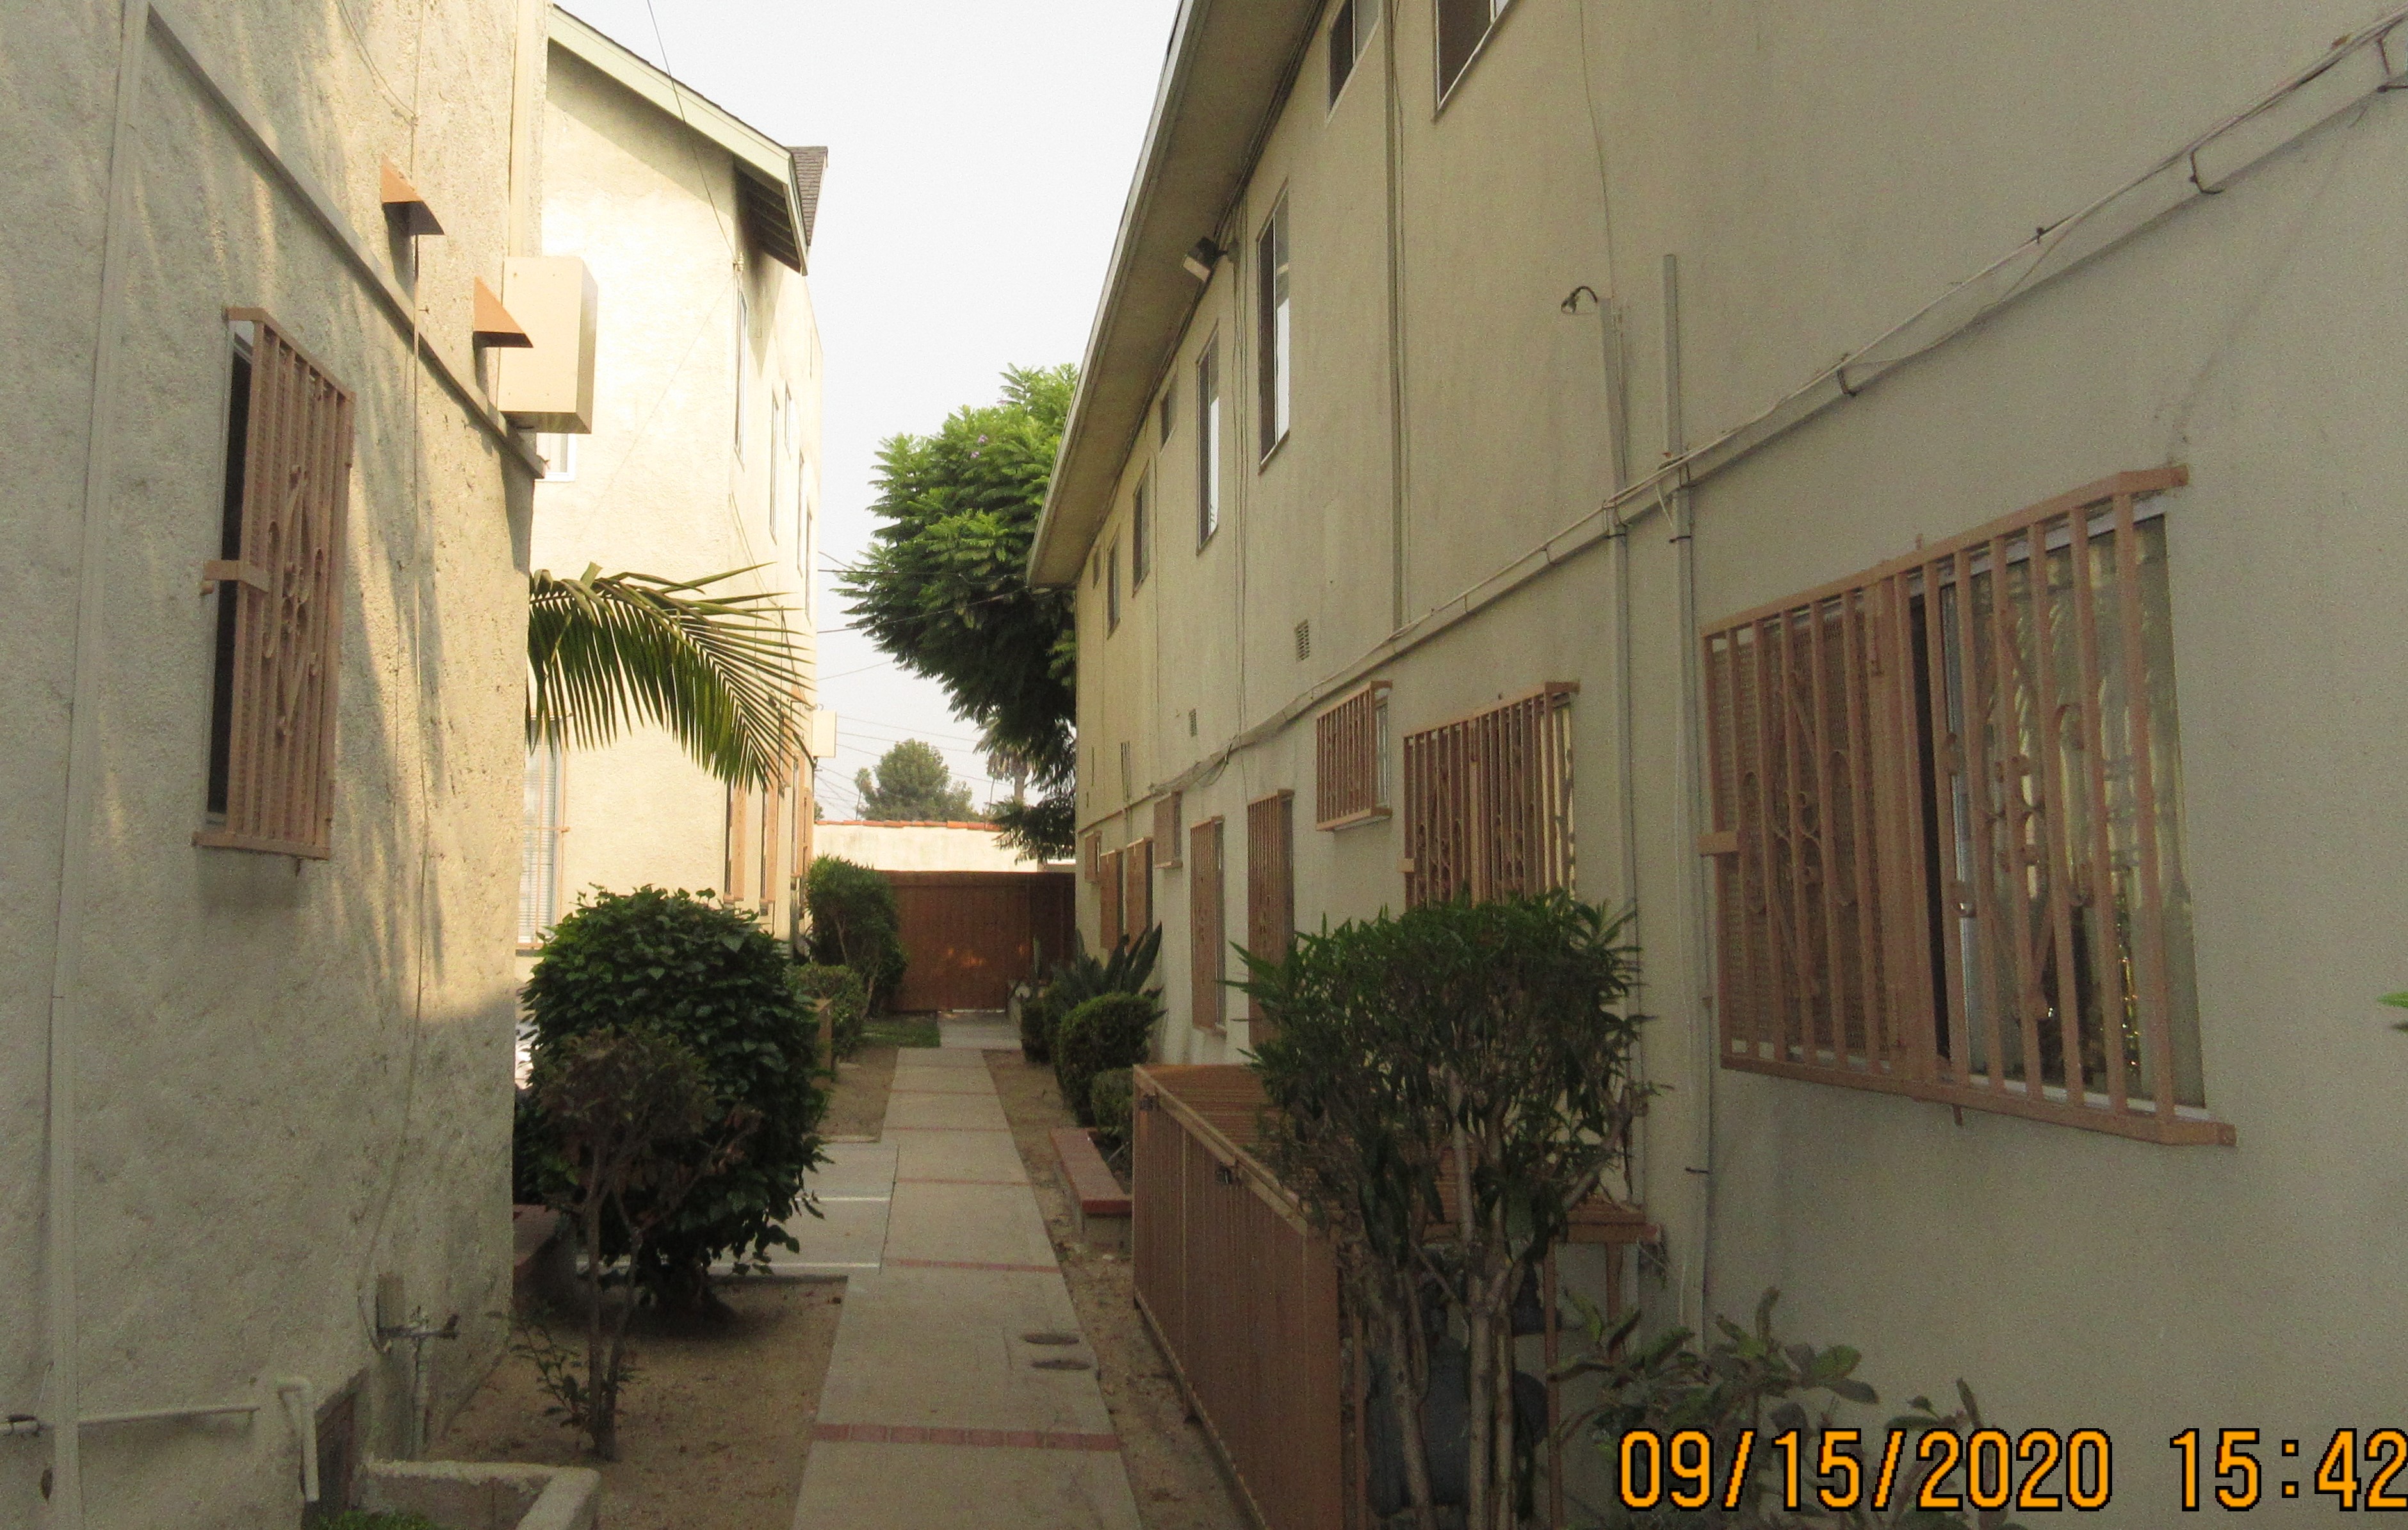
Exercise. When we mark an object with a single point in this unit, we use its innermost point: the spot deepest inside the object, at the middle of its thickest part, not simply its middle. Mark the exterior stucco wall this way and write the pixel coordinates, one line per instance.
(919, 847)
(1817, 186)
(293, 1077)
(660, 486)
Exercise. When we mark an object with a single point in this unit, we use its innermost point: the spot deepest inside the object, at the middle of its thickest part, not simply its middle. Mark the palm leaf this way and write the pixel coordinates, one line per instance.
(719, 671)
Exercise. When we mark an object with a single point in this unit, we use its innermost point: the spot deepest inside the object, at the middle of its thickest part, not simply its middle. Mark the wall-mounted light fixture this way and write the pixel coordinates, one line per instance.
(1200, 258)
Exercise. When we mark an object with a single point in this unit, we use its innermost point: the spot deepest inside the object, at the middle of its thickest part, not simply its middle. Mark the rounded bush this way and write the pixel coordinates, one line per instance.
(854, 923)
(1110, 1031)
(1036, 1029)
(843, 988)
(711, 978)
(1113, 1098)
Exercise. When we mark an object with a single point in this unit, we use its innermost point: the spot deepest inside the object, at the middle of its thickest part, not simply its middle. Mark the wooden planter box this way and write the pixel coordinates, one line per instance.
(1242, 1295)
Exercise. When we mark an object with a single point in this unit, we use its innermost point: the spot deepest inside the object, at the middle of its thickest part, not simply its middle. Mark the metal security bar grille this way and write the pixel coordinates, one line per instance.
(282, 570)
(1488, 800)
(1350, 759)
(1108, 889)
(1207, 936)
(1270, 880)
(1944, 802)
(1137, 896)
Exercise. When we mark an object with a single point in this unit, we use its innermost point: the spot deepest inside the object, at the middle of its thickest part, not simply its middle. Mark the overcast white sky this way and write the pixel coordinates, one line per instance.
(978, 153)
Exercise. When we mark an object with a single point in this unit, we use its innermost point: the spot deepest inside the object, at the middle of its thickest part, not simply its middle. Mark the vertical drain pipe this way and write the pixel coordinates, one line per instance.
(66, 1391)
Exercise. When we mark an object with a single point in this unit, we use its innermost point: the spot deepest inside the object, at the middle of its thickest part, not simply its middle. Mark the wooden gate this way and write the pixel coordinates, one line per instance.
(971, 935)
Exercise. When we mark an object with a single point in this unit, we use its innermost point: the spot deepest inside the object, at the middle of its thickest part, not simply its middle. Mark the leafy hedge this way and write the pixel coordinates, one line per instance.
(1110, 1031)
(713, 979)
(1113, 1098)
(844, 989)
(854, 925)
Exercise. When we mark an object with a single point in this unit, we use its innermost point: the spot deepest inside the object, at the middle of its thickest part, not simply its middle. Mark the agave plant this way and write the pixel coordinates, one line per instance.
(718, 669)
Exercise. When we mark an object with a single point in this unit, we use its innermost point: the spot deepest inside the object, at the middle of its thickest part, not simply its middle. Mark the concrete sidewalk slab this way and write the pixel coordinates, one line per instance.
(936, 1153)
(985, 1223)
(908, 1108)
(977, 1030)
(854, 1189)
(908, 1487)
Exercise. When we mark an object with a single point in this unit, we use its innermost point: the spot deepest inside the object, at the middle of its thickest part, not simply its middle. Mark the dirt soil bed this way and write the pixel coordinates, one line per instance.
(713, 1430)
(857, 1107)
(1177, 1478)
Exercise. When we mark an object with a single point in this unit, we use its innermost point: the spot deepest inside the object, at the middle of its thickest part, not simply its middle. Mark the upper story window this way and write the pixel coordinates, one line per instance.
(1208, 442)
(1141, 530)
(1488, 801)
(1946, 797)
(1350, 33)
(1165, 409)
(743, 338)
(1463, 25)
(1276, 343)
(558, 449)
(1112, 587)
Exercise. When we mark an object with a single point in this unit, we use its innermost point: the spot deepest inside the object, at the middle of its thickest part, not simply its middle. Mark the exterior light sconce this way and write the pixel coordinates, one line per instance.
(1200, 259)
(494, 325)
(406, 210)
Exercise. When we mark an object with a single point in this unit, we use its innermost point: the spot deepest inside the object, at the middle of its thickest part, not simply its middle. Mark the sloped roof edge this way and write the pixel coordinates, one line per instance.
(756, 154)
(1229, 69)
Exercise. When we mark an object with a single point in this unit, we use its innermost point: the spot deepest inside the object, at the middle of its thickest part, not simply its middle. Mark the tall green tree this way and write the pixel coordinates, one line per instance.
(718, 670)
(912, 784)
(943, 587)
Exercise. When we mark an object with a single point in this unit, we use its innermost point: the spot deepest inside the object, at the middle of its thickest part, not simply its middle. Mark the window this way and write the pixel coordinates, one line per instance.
(1349, 35)
(1137, 896)
(1165, 409)
(738, 810)
(1128, 773)
(1091, 849)
(1141, 530)
(1112, 587)
(271, 767)
(1463, 26)
(1206, 950)
(743, 344)
(558, 449)
(1270, 881)
(1275, 344)
(1945, 805)
(1168, 834)
(1488, 801)
(767, 890)
(1208, 442)
(539, 831)
(1109, 890)
(1350, 759)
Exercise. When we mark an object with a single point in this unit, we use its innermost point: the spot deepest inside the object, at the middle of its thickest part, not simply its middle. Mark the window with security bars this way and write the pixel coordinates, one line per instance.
(1488, 801)
(1136, 889)
(1109, 890)
(1946, 799)
(1168, 833)
(539, 829)
(271, 768)
(1270, 881)
(1350, 759)
(1207, 927)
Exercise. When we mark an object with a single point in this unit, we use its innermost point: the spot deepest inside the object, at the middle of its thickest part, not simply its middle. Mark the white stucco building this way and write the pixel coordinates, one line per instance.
(265, 545)
(704, 456)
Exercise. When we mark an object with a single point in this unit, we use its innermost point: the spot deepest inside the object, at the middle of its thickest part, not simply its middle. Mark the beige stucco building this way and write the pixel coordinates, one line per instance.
(1570, 444)
(266, 543)
(704, 456)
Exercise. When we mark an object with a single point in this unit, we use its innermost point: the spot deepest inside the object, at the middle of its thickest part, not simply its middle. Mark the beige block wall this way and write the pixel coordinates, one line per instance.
(294, 1078)
(1817, 186)
(660, 487)
(919, 847)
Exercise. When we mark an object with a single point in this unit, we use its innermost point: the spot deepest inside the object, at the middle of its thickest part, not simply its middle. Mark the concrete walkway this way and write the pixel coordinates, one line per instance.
(961, 1391)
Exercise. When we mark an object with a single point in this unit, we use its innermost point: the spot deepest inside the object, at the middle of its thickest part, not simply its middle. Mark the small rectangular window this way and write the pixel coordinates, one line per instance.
(1208, 953)
(1128, 773)
(743, 348)
(1463, 25)
(1488, 801)
(279, 593)
(1141, 531)
(1113, 587)
(558, 449)
(539, 830)
(1349, 35)
(1169, 835)
(1350, 775)
(1165, 409)
(1208, 442)
(1276, 341)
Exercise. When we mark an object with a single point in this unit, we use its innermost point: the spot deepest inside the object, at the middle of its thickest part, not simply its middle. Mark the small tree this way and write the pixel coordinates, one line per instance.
(638, 1128)
(1464, 1064)
(706, 975)
(913, 785)
(854, 923)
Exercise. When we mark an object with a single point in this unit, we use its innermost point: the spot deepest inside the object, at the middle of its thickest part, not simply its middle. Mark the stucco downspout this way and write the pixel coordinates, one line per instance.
(65, 1401)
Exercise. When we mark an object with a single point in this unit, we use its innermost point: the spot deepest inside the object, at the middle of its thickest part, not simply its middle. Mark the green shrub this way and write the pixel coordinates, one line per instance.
(843, 988)
(1036, 1029)
(1109, 1031)
(1113, 1099)
(1083, 977)
(706, 975)
(854, 925)
(361, 1519)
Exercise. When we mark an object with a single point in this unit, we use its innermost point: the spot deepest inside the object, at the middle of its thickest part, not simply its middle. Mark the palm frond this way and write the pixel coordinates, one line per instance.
(720, 671)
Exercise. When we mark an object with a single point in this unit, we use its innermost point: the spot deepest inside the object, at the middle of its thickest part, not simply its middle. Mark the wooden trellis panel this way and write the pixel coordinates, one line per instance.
(284, 576)
(1488, 800)
(1270, 880)
(1944, 837)
(1137, 896)
(1206, 929)
(1107, 891)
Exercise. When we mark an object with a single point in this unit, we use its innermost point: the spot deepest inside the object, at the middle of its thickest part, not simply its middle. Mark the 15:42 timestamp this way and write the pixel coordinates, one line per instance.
(2362, 1471)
